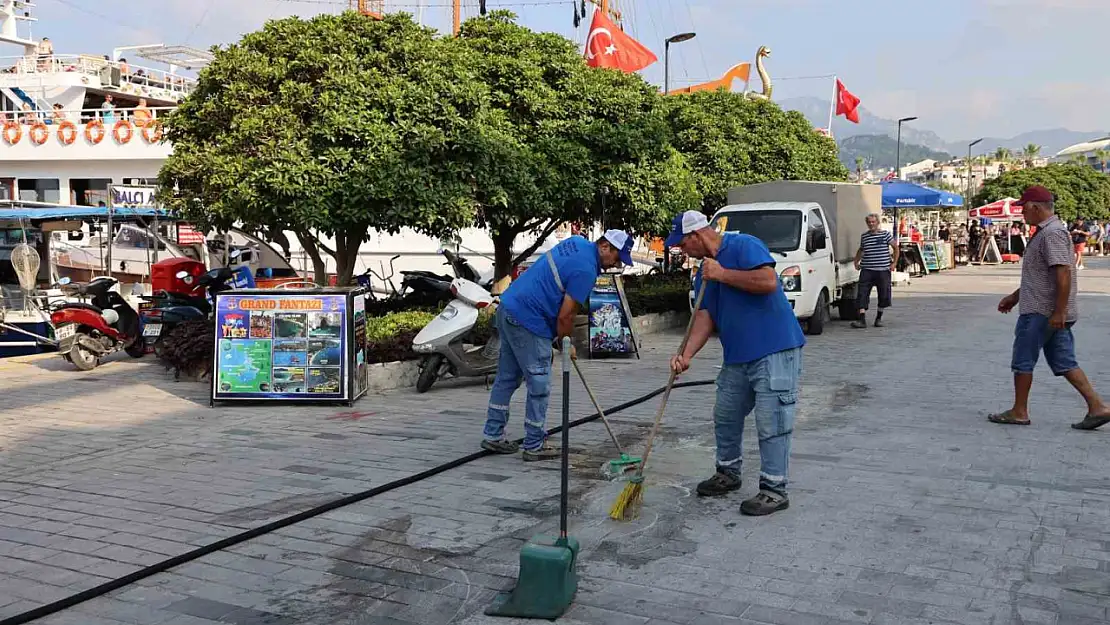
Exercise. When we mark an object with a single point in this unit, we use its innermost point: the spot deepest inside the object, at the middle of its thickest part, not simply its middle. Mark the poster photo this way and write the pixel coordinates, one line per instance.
(273, 345)
(609, 327)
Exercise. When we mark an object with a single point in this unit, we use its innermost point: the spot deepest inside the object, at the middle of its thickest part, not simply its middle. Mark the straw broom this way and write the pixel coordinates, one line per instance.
(628, 503)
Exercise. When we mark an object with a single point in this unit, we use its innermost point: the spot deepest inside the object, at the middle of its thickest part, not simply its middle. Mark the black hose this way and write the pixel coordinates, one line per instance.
(231, 541)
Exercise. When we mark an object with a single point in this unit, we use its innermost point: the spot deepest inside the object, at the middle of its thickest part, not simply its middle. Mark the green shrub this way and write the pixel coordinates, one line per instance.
(657, 292)
(392, 324)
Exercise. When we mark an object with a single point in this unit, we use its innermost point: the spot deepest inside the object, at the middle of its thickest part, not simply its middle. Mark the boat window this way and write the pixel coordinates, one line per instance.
(39, 190)
(134, 238)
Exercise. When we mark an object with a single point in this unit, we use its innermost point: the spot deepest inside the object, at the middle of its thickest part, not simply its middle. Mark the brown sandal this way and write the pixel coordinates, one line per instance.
(1007, 418)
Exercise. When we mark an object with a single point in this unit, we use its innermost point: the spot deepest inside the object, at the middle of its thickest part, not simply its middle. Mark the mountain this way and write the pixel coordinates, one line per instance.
(878, 152)
(816, 111)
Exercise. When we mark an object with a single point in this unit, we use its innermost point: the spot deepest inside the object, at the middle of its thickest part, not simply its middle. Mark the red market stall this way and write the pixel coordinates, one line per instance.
(1003, 209)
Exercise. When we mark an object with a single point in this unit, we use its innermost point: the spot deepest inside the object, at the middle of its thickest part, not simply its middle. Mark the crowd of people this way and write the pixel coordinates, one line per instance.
(141, 114)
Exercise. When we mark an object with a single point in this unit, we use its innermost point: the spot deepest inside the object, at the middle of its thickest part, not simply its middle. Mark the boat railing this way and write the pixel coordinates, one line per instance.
(85, 115)
(95, 66)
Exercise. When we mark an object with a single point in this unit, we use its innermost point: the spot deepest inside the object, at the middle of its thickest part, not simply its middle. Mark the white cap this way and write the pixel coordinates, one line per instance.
(620, 240)
(685, 223)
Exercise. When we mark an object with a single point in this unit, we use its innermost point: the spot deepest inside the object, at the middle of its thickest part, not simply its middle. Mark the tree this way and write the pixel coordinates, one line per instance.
(1079, 189)
(1101, 156)
(1003, 155)
(565, 142)
(1030, 153)
(330, 126)
(730, 140)
(859, 168)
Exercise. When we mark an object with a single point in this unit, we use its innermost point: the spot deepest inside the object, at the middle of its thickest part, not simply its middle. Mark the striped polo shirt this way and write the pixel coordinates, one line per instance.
(876, 250)
(1050, 248)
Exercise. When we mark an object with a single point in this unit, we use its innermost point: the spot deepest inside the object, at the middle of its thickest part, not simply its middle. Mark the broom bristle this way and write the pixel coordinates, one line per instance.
(627, 505)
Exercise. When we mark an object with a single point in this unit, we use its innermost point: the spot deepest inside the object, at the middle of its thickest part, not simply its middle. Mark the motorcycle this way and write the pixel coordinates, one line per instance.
(87, 332)
(444, 341)
(170, 308)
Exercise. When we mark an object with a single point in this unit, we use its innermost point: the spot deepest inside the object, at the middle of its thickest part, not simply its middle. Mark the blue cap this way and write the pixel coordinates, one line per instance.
(683, 224)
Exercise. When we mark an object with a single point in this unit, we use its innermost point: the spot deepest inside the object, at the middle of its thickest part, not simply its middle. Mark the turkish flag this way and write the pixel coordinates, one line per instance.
(608, 46)
(846, 103)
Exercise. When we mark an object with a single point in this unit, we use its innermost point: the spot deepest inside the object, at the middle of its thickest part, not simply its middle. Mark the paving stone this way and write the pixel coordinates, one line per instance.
(906, 508)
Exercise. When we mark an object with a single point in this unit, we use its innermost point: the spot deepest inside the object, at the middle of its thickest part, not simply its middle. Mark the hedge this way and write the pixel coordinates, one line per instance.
(658, 292)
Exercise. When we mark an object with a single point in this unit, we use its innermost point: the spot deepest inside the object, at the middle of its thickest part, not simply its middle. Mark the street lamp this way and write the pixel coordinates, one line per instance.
(679, 38)
(969, 146)
(898, 170)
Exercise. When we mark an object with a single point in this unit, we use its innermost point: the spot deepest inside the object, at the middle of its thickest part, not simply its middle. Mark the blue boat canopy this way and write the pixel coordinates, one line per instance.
(899, 194)
(15, 211)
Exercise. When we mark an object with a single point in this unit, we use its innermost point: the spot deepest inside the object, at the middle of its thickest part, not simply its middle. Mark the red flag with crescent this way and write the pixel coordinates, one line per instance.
(608, 46)
(846, 103)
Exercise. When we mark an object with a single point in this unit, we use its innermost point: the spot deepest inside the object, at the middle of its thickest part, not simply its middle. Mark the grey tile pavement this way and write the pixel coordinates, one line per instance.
(907, 507)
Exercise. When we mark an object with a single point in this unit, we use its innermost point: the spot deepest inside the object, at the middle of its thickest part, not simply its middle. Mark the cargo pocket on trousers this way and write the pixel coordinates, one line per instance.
(782, 422)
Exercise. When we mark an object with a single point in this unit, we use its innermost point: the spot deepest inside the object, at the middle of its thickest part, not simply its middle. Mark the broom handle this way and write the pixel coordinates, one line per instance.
(670, 382)
(600, 412)
(565, 459)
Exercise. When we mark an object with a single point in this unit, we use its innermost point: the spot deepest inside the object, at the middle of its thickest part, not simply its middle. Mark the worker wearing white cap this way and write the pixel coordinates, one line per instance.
(762, 344)
(536, 312)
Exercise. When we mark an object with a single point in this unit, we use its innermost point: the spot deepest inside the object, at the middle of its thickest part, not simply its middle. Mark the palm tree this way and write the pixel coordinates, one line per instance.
(859, 169)
(1102, 156)
(1031, 151)
(1003, 154)
(1079, 159)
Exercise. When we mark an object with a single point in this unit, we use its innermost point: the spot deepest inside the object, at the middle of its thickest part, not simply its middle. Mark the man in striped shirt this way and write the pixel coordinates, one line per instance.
(875, 264)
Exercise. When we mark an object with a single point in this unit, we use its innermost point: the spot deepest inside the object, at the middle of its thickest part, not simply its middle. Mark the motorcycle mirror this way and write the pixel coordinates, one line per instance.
(181, 275)
(64, 281)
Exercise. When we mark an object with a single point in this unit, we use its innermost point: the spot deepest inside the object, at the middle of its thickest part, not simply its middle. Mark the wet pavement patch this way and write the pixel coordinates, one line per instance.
(226, 612)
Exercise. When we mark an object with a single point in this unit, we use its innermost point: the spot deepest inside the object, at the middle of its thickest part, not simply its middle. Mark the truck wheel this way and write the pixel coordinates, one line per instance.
(847, 309)
(816, 324)
(429, 372)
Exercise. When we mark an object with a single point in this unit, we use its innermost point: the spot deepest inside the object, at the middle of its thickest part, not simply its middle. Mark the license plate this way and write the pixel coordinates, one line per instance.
(64, 332)
(152, 329)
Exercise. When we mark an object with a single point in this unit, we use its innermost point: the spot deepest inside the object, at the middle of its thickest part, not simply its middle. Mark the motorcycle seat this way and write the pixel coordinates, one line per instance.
(96, 309)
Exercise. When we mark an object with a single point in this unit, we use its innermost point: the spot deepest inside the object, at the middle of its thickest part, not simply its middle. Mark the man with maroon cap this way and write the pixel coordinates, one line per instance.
(1047, 312)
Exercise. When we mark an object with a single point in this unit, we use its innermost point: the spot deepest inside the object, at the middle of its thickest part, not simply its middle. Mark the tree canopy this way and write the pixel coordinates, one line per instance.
(565, 142)
(730, 140)
(333, 125)
(1079, 190)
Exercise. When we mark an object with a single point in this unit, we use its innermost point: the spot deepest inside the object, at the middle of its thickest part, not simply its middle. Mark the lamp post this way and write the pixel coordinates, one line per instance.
(969, 189)
(679, 38)
(898, 170)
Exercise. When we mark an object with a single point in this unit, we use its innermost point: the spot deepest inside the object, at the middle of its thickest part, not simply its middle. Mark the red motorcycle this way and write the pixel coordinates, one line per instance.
(87, 332)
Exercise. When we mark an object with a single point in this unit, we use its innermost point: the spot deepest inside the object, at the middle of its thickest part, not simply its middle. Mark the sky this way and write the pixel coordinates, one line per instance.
(964, 67)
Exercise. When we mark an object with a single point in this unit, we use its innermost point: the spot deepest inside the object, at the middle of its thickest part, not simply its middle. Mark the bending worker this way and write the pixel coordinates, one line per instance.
(762, 344)
(536, 312)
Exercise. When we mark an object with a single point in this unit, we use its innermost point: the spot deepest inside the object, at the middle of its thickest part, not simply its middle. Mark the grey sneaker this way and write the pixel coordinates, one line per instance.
(547, 452)
(764, 503)
(859, 324)
(501, 447)
(878, 323)
(719, 484)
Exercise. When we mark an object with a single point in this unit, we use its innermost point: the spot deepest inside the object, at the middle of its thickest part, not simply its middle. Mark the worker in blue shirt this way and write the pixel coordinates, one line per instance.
(536, 312)
(762, 344)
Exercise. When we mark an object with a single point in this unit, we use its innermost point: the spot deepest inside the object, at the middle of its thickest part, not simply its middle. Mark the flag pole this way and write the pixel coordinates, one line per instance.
(832, 105)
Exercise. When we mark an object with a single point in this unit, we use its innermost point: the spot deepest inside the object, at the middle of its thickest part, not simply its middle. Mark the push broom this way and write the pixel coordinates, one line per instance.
(613, 468)
(628, 503)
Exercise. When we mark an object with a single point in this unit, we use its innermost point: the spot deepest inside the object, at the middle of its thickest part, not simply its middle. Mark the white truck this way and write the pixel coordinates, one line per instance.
(813, 231)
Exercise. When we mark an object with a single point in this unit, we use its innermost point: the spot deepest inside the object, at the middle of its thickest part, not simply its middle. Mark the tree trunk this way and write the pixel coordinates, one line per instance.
(346, 255)
(309, 245)
(502, 253)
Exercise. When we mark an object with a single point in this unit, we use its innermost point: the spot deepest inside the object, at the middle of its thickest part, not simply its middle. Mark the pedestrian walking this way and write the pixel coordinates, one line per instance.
(1079, 236)
(875, 265)
(536, 312)
(1047, 313)
(762, 367)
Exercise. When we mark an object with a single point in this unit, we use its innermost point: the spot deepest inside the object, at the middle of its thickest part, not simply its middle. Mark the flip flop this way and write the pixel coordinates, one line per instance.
(1006, 418)
(1091, 422)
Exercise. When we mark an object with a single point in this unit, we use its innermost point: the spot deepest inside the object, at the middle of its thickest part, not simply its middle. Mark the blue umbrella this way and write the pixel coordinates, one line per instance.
(898, 194)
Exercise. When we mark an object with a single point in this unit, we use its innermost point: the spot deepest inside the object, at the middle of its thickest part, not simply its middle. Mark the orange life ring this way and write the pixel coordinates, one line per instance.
(39, 133)
(12, 132)
(123, 131)
(94, 131)
(152, 131)
(67, 132)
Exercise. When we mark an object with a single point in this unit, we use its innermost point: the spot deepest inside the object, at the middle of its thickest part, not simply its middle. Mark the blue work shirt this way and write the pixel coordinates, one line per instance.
(751, 326)
(534, 299)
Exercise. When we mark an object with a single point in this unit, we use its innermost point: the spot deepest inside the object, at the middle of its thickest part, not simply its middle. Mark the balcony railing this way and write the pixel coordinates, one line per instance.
(92, 66)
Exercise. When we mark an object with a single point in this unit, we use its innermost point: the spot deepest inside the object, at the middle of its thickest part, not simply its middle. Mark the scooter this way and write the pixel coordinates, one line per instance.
(86, 333)
(443, 342)
(170, 309)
